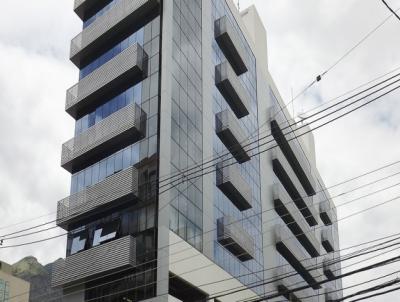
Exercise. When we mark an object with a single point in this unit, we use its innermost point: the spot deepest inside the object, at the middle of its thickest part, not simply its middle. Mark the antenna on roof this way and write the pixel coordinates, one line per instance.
(239, 5)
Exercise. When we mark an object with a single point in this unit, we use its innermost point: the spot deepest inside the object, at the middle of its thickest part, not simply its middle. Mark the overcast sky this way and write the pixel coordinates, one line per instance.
(305, 37)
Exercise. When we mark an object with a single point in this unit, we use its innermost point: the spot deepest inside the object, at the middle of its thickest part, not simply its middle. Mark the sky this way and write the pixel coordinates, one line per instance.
(304, 38)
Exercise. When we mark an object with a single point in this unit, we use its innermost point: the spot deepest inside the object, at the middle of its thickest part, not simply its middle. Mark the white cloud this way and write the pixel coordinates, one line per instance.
(35, 74)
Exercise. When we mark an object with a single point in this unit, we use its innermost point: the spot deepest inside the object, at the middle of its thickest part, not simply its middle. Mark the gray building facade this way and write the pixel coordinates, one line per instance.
(189, 178)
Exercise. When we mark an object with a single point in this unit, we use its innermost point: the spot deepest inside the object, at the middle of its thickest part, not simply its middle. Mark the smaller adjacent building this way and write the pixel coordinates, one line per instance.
(11, 286)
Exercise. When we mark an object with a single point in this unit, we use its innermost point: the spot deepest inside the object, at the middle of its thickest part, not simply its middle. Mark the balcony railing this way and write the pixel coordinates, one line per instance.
(288, 279)
(325, 212)
(232, 136)
(83, 8)
(294, 154)
(331, 295)
(327, 240)
(126, 69)
(104, 259)
(235, 239)
(231, 89)
(329, 267)
(232, 184)
(286, 209)
(120, 129)
(111, 27)
(290, 182)
(288, 247)
(230, 44)
(116, 189)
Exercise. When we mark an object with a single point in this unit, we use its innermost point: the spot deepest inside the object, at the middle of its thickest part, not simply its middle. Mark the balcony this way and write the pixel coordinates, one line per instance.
(329, 267)
(290, 182)
(325, 212)
(327, 240)
(115, 190)
(287, 280)
(230, 44)
(294, 154)
(232, 184)
(116, 24)
(287, 246)
(232, 136)
(235, 239)
(104, 259)
(295, 221)
(122, 128)
(85, 8)
(124, 70)
(331, 295)
(231, 89)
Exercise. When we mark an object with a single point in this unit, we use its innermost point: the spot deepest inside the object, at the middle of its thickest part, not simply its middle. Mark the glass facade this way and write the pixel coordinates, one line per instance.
(131, 221)
(186, 218)
(248, 272)
(129, 96)
(138, 217)
(136, 37)
(4, 291)
(99, 13)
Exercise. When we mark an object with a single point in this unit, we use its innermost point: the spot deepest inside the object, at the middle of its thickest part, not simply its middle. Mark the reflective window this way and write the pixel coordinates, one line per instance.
(108, 166)
(186, 133)
(126, 222)
(136, 37)
(99, 13)
(129, 96)
(248, 271)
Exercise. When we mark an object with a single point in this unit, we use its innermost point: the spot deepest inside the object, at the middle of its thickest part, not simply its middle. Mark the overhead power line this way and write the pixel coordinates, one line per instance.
(371, 289)
(271, 280)
(391, 10)
(319, 77)
(343, 249)
(223, 155)
(356, 271)
(378, 294)
(259, 152)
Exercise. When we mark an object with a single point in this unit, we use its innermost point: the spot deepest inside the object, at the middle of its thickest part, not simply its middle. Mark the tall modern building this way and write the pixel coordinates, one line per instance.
(176, 194)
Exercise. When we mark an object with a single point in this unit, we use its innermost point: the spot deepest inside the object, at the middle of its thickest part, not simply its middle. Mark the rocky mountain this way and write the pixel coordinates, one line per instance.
(39, 276)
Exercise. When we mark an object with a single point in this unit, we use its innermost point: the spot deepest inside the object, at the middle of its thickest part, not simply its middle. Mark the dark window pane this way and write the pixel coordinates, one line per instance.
(118, 161)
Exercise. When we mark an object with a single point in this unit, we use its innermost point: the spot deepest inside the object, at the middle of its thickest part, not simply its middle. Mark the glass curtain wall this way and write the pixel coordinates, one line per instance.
(138, 218)
(186, 218)
(251, 271)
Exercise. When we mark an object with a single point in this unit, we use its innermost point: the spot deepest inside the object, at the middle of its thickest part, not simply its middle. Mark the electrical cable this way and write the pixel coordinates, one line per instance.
(391, 10)
(378, 294)
(360, 212)
(344, 114)
(372, 289)
(319, 77)
(213, 263)
(227, 153)
(110, 282)
(359, 270)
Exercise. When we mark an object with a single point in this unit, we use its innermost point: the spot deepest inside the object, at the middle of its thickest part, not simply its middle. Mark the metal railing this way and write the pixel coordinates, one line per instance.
(231, 233)
(131, 63)
(117, 254)
(115, 187)
(231, 89)
(130, 118)
(232, 136)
